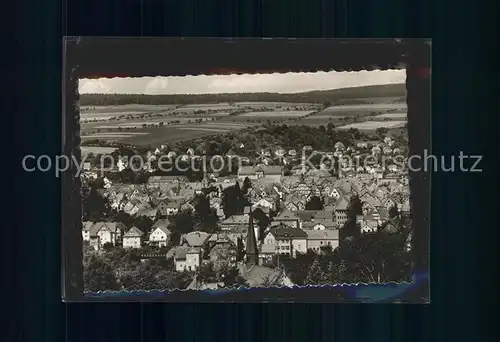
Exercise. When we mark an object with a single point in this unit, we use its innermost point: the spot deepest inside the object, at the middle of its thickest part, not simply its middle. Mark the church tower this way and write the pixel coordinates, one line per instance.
(205, 182)
(252, 253)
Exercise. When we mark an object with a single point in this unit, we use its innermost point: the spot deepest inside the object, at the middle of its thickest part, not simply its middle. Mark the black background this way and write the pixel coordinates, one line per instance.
(461, 202)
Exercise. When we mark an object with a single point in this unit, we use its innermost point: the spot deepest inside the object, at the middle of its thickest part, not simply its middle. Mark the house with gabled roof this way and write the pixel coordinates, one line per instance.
(221, 250)
(362, 144)
(302, 189)
(260, 172)
(279, 151)
(317, 239)
(291, 206)
(339, 146)
(86, 230)
(288, 217)
(337, 192)
(341, 207)
(169, 207)
(265, 203)
(194, 239)
(133, 238)
(147, 212)
(368, 225)
(100, 233)
(405, 205)
(388, 202)
(238, 224)
(323, 220)
(187, 259)
(160, 234)
(370, 203)
(266, 253)
(132, 207)
(376, 150)
(306, 218)
(287, 240)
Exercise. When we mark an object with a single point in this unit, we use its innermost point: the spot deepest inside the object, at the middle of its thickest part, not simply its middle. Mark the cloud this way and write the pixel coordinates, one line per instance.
(93, 86)
(157, 85)
(203, 84)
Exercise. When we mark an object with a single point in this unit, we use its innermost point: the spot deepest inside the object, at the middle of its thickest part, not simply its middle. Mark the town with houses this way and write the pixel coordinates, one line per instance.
(274, 220)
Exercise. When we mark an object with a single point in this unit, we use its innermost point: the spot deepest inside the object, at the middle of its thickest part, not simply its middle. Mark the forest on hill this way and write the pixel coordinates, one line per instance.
(336, 96)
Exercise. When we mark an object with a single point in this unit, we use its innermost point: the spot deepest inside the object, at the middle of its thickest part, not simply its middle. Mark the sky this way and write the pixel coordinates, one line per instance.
(246, 83)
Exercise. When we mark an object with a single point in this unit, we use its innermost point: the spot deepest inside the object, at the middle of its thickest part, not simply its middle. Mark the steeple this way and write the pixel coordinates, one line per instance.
(252, 253)
(205, 180)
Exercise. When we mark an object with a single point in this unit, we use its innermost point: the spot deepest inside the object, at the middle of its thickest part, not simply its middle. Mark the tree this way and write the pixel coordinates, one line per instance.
(231, 277)
(262, 220)
(144, 223)
(107, 246)
(334, 272)
(240, 249)
(207, 274)
(393, 211)
(329, 128)
(233, 200)
(95, 207)
(98, 276)
(182, 222)
(205, 217)
(375, 257)
(141, 277)
(351, 227)
(316, 275)
(298, 268)
(247, 185)
(314, 203)
(381, 131)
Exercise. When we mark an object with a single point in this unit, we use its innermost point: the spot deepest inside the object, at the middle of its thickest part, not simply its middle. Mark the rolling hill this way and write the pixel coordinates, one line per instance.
(344, 95)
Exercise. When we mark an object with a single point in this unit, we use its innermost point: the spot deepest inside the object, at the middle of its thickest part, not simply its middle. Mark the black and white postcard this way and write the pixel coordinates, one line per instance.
(235, 180)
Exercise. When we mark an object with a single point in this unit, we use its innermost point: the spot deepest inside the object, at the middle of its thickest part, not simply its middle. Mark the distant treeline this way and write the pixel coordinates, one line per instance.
(325, 96)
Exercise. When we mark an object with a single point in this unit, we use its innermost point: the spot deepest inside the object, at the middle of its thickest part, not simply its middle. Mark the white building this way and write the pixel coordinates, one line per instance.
(160, 234)
(286, 240)
(187, 259)
(101, 233)
(133, 238)
(316, 239)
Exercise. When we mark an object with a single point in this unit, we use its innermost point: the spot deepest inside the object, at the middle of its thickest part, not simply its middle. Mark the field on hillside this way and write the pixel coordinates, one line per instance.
(90, 114)
(164, 135)
(210, 114)
(206, 108)
(96, 150)
(126, 108)
(167, 134)
(373, 125)
(277, 105)
(394, 116)
(276, 114)
(360, 109)
(371, 100)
